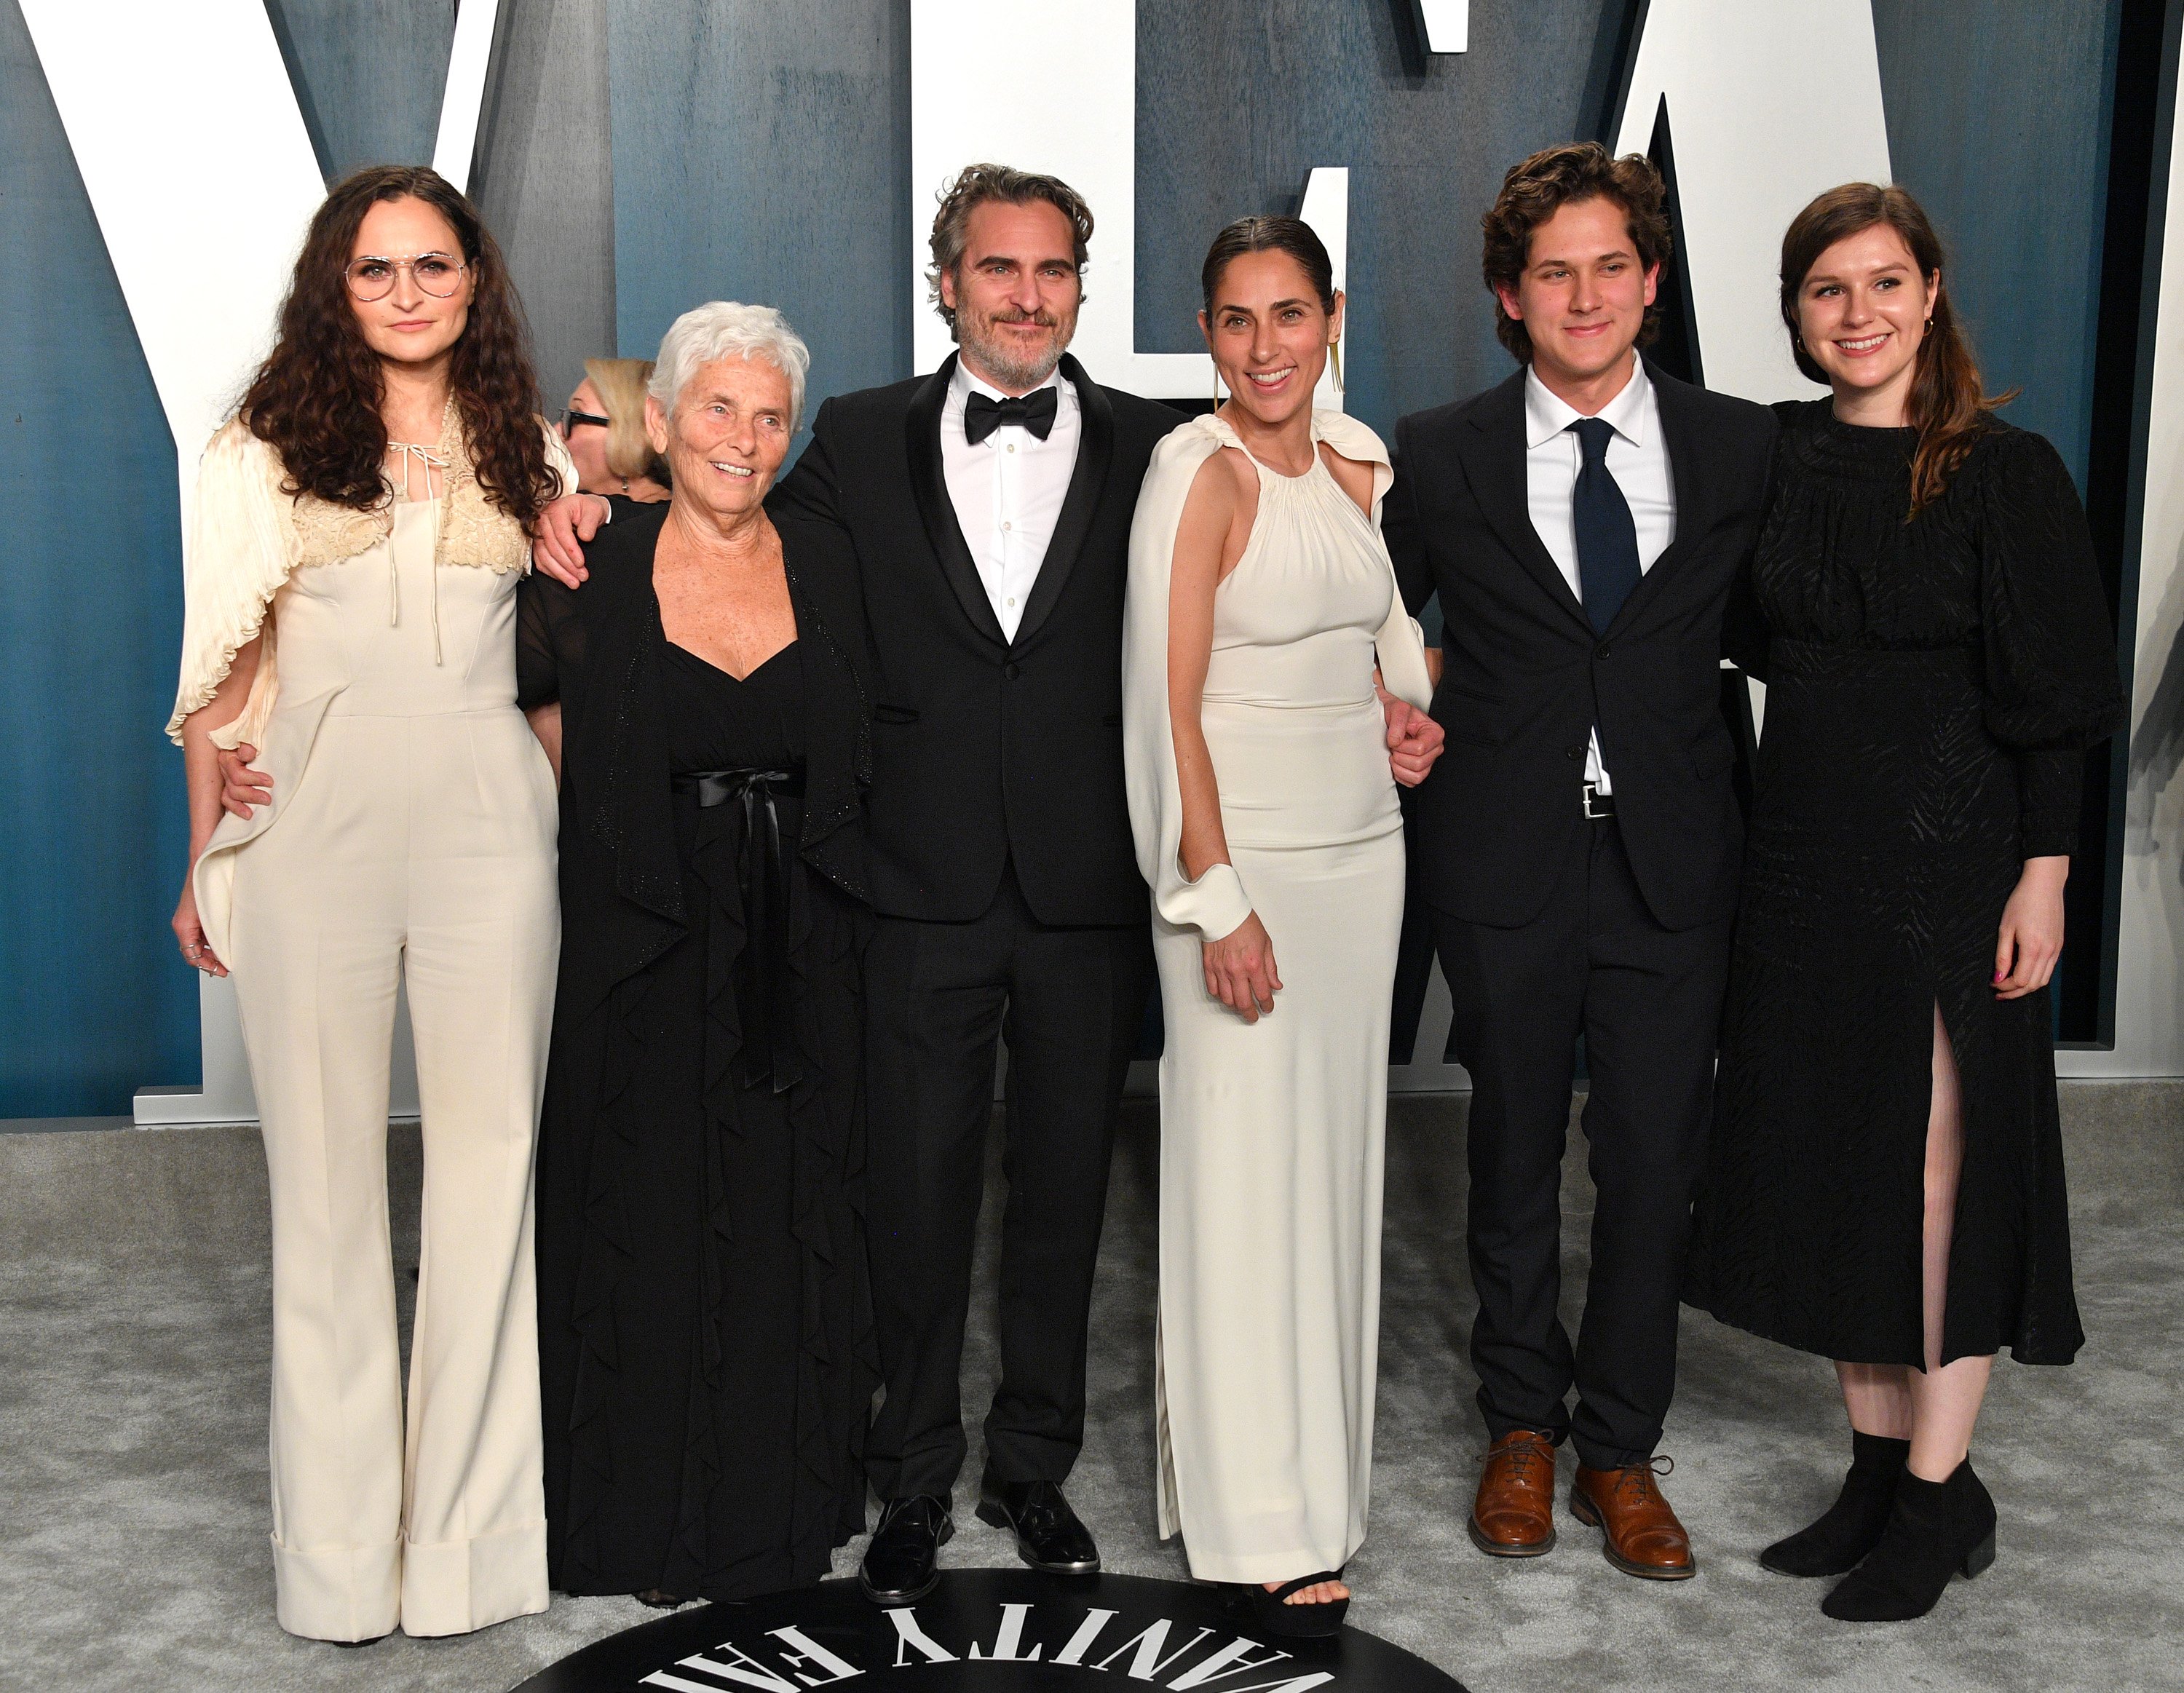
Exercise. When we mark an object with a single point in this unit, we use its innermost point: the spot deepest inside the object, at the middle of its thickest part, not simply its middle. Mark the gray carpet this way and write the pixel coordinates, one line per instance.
(132, 1419)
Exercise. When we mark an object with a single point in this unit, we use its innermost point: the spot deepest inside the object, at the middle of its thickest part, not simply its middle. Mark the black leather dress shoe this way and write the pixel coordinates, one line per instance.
(903, 1562)
(1049, 1537)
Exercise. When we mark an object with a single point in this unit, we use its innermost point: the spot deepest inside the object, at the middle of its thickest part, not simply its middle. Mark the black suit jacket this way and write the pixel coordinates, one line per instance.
(987, 750)
(1526, 678)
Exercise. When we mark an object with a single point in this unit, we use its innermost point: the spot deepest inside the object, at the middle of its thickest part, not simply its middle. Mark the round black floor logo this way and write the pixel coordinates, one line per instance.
(984, 1631)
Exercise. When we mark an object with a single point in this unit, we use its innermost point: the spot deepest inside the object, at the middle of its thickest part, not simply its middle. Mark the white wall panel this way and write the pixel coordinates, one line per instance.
(1769, 103)
(1088, 138)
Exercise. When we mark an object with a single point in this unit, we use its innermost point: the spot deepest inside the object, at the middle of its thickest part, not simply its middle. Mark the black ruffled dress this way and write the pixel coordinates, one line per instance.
(704, 1313)
(1931, 687)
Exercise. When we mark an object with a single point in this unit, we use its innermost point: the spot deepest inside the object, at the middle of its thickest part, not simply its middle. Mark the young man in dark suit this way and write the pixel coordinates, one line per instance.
(1584, 524)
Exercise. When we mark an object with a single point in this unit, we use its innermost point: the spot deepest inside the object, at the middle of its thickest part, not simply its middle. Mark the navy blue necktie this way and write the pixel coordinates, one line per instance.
(1607, 539)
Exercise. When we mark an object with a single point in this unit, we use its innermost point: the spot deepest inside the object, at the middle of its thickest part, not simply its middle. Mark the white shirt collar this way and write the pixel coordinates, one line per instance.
(1546, 415)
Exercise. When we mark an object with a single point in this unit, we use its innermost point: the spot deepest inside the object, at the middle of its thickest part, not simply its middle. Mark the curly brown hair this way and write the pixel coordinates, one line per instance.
(975, 185)
(1949, 403)
(316, 398)
(1538, 188)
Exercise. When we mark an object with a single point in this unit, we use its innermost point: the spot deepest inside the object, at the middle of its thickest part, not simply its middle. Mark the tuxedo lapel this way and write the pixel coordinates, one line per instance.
(928, 482)
(1493, 456)
(1088, 482)
(1689, 485)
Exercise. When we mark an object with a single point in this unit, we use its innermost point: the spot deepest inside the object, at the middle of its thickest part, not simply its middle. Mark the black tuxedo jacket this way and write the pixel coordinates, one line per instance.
(987, 750)
(1525, 677)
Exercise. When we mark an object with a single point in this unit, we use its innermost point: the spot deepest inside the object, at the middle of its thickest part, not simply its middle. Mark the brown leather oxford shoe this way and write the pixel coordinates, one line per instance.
(1514, 1515)
(1640, 1533)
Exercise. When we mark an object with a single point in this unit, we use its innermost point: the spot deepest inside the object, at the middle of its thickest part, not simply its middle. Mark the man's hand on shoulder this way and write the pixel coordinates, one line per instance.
(557, 539)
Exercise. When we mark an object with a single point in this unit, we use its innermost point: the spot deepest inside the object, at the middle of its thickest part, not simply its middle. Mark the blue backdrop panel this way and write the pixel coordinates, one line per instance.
(1236, 103)
(760, 153)
(1999, 121)
(369, 75)
(95, 1000)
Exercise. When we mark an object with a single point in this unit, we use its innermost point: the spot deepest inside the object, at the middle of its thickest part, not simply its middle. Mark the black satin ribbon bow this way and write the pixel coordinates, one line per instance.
(763, 1005)
(983, 414)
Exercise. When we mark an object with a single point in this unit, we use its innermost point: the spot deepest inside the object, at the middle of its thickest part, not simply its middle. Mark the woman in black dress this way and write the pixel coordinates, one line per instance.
(704, 1314)
(1886, 1183)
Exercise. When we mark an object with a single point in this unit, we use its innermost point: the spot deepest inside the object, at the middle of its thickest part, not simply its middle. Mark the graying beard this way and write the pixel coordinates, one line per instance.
(1001, 362)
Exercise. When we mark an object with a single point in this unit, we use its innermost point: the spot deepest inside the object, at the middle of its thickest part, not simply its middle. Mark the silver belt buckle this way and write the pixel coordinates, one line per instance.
(1593, 799)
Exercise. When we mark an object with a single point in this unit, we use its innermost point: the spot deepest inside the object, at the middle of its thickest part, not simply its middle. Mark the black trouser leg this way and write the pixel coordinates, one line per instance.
(1075, 1001)
(1648, 1002)
(937, 994)
(1518, 999)
(1652, 1020)
(933, 997)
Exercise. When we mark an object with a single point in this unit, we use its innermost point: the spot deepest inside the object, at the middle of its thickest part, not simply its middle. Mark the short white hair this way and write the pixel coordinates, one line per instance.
(728, 329)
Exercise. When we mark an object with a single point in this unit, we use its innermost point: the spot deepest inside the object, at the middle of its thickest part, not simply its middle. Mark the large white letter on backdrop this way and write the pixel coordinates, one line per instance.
(1068, 108)
(1768, 105)
(193, 152)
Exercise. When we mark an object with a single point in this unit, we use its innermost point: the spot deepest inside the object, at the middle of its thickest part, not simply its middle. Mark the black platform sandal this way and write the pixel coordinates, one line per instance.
(1271, 1612)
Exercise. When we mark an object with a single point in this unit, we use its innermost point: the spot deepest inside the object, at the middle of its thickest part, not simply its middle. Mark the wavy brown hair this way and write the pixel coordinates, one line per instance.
(1538, 188)
(1949, 404)
(316, 398)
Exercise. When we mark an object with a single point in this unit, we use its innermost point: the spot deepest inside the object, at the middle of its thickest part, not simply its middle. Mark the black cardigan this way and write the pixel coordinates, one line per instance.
(596, 649)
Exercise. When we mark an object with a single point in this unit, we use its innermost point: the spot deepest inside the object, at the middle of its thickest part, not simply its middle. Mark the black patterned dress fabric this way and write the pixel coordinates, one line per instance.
(706, 1393)
(1931, 687)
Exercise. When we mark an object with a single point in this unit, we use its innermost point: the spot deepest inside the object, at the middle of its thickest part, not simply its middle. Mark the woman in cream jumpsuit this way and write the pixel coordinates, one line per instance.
(410, 836)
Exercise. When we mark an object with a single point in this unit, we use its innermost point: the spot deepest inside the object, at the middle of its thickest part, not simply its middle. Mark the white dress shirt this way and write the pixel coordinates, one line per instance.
(1008, 490)
(1637, 457)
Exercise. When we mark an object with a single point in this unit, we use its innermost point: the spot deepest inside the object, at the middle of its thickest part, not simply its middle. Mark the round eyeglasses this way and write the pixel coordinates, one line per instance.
(437, 274)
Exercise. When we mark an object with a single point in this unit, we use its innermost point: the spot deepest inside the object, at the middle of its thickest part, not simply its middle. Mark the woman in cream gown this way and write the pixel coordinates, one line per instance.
(1267, 823)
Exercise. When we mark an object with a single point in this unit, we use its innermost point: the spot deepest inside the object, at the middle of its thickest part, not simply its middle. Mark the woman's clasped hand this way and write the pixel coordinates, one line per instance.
(1240, 970)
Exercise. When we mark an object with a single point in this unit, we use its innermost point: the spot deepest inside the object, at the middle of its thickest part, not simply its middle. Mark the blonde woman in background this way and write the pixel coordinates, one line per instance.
(604, 425)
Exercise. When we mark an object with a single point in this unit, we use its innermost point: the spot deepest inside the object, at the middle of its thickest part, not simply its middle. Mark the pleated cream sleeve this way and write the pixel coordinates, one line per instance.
(247, 535)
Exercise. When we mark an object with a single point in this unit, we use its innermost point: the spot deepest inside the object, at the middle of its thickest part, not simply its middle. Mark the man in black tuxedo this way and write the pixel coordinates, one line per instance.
(989, 505)
(1584, 523)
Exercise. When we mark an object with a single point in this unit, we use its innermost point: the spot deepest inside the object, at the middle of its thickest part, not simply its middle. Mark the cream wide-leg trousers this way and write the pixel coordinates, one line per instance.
(422, 846)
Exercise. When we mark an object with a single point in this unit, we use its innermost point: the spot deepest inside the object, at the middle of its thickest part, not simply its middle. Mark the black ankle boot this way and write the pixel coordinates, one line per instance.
(1851, 1526)
(1936, 1528)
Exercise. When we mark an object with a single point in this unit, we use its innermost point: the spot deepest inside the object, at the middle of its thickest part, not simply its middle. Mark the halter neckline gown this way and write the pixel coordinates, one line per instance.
(1272, 1133)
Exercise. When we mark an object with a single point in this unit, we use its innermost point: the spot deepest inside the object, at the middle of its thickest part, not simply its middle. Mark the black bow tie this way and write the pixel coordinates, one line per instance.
(983, 414)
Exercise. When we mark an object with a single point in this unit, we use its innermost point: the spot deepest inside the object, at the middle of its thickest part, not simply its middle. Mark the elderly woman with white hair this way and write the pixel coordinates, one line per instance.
(704, 1315)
